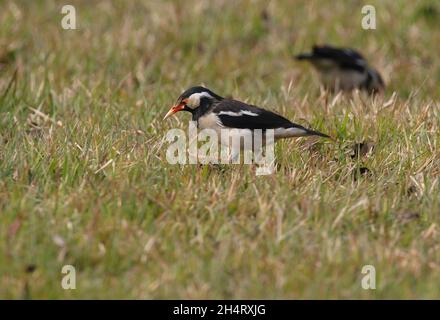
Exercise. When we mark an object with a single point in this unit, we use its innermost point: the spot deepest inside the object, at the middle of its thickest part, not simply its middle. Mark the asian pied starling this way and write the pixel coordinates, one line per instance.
(212, 111)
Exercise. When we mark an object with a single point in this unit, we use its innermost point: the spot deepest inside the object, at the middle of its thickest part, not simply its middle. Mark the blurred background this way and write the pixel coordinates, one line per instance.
(169, 45)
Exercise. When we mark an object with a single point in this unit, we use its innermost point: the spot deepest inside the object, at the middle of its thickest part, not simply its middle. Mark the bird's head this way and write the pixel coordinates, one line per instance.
(192, 99)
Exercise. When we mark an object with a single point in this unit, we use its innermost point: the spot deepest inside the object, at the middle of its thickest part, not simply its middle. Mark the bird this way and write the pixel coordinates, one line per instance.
(212, 111)
(343, 69)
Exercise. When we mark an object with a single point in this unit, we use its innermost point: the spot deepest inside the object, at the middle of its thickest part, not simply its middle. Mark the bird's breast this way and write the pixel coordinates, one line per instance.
(209, 121)
(343, 79)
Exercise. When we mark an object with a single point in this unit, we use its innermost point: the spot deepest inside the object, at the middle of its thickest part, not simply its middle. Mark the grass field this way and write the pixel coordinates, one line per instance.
(84, 180)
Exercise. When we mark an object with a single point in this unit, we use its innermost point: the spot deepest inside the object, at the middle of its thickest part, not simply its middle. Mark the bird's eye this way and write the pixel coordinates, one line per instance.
(185, 101)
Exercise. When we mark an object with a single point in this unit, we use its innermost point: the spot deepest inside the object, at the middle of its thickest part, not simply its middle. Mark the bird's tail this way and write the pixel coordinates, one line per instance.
(317, 133)
(304, 56)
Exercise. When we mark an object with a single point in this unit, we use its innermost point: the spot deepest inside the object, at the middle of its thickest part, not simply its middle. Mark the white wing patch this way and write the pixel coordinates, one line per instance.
(249, 113)
(238, 114)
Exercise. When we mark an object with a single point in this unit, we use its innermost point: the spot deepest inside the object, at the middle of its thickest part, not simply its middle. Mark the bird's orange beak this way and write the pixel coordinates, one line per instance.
(174, 109)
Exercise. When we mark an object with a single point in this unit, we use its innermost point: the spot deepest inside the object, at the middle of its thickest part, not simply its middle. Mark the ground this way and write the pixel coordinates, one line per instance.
(84, 179)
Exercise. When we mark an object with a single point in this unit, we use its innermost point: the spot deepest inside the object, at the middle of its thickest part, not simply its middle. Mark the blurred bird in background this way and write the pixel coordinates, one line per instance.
(343, 69)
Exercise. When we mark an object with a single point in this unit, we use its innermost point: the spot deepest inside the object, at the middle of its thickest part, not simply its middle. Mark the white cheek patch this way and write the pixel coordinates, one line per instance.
(238, 114)
(194, 99)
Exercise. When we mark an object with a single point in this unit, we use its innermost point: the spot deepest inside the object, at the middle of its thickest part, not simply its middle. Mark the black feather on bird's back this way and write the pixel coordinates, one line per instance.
(263, 119)
(345, 58)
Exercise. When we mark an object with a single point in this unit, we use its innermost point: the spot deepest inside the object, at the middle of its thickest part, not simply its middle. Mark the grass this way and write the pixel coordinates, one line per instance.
(84, 180)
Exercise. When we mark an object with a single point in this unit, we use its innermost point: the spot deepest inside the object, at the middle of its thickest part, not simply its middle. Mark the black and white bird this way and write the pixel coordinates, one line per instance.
(212, 111)
(343, 69)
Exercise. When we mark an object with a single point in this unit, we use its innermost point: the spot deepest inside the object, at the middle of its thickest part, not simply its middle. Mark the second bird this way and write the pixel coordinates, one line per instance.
(343, 69)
